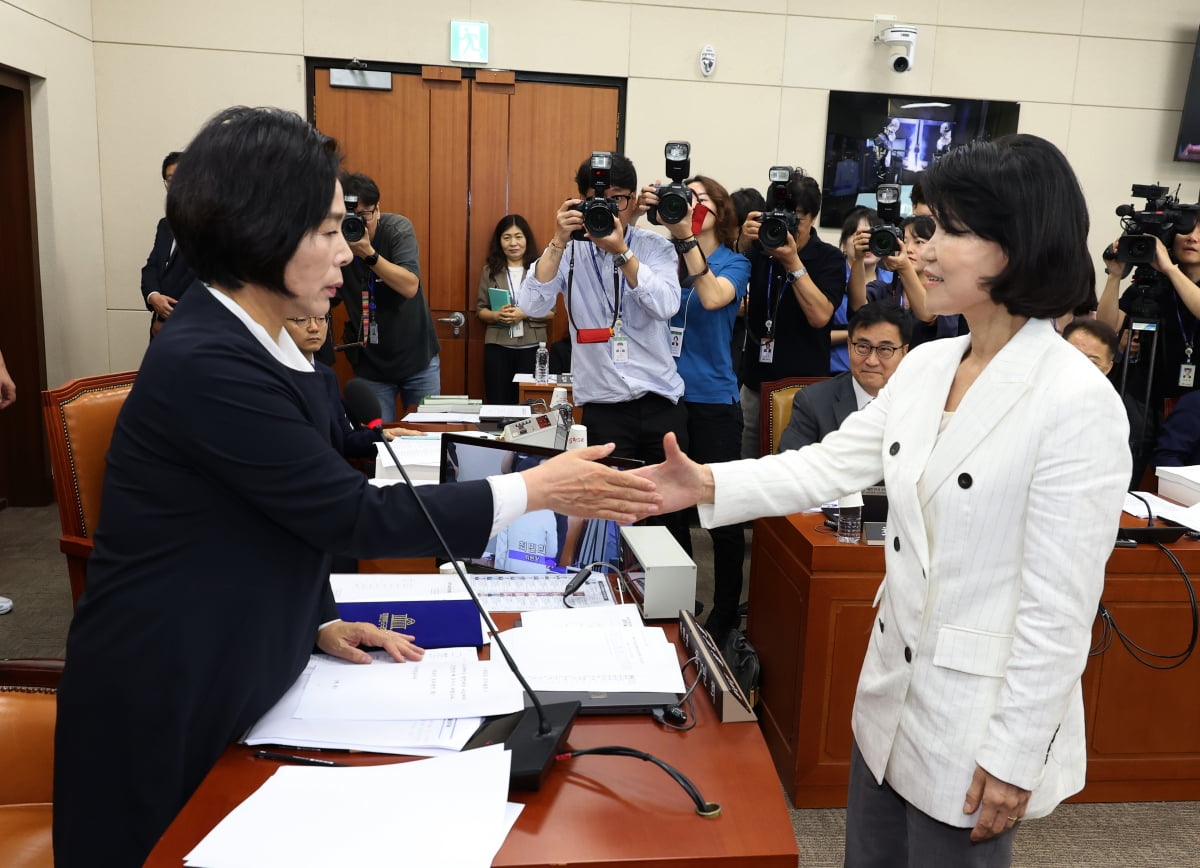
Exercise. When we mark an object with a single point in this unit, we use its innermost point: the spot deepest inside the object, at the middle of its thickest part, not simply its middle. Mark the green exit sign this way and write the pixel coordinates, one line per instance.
(469, 41)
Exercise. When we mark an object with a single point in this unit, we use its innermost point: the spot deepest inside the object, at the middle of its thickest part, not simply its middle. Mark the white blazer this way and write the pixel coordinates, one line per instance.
(998, 532)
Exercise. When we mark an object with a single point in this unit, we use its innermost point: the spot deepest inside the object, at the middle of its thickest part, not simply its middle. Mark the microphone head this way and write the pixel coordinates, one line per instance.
(362, 405)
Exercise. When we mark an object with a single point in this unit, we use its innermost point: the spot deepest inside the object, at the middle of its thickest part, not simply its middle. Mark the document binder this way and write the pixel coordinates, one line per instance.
(431, 623)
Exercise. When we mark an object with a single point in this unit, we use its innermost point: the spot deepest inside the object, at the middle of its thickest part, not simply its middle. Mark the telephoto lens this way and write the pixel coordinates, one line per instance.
(353, 226)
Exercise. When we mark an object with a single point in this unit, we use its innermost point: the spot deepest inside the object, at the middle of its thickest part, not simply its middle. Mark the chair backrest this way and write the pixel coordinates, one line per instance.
(80, 416)
(28, 700)
(775, 410)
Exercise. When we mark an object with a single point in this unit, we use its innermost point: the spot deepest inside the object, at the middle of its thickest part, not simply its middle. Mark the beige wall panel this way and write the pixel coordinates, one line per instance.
(1008, 65)
(801, 132)
(389, 31)
(72, 15)
(128, 333)
(734, 129)
(1049, 120)
(1172, 20)
(186, 88)
(272, 26)
(66, 180)
(1106, 73)
(773, 7)
(664, 44)
(912, 12)
(1109, 158)
(840, 55)
(1035, 16)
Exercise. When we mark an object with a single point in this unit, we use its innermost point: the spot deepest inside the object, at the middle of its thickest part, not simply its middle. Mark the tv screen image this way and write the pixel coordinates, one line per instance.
(1187, 146)
(875, 138)
(540, 541)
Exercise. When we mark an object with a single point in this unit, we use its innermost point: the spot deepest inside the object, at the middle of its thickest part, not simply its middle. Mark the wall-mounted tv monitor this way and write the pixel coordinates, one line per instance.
(1187, 147)
(878, 138)
(540, 541)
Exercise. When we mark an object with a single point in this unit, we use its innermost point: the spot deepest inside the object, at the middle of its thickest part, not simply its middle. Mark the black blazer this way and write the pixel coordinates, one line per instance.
(819, 409)
(165, 270)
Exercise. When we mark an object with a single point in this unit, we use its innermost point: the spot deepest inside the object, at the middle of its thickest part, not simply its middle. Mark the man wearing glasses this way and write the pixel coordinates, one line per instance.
(394, 345)
(165, 276)
(621, 290)
(880, 332)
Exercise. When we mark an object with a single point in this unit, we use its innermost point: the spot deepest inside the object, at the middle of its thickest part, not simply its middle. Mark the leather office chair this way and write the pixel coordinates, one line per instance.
(80, 416)
(28, 698)
(775, 409)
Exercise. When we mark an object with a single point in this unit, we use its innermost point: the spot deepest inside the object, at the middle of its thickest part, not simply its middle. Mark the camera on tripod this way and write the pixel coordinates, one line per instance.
(353, 226)
(674, 198)
(886, 238)
(1162, 218)
(599, 212)
(781, 221)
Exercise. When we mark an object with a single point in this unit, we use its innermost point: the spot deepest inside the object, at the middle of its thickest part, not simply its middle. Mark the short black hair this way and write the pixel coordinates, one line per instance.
(170, 160)
(745, 200)
(1098, 329)
(622, 174)
(805, 193)
(917, 195)
(882, 310)
(362, 186)
(856, 216)
(255, 181)
(922, 225)
(1020, 192)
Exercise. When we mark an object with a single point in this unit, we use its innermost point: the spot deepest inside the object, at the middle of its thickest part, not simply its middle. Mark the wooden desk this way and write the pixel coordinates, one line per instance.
(810, 616)
(592, 811)
(543, 392)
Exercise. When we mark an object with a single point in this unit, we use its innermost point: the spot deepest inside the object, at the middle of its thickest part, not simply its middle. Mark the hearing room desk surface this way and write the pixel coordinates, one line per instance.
(592, 811)
(810, 616)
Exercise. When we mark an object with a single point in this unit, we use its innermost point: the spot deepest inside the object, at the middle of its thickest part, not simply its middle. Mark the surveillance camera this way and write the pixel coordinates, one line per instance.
(901, 40)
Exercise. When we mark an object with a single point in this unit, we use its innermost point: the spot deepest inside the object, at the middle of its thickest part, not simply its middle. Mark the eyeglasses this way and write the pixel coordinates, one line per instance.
(369, 213)
(622, 200)
(309, 321)
(882, 351)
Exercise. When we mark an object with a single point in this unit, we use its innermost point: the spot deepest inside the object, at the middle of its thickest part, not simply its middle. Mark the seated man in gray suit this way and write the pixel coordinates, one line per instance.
(879, 335)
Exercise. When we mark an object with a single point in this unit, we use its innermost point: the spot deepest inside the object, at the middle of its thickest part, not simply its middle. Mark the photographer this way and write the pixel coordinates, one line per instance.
(397, 346)
(620, 288)
(1178, 308)
(794, 290)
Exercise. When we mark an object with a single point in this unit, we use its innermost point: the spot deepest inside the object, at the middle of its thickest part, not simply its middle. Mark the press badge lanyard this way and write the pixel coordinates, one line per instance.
(369, 328)
(766, 346)
(620, 348)
(1187, 371)
(677, 331)
(517, 329)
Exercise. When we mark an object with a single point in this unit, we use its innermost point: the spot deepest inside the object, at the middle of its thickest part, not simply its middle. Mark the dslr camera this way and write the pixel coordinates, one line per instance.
(886, 238)
(1162, 218)
(781, 221)
(353, 226)
(599, 212)
(675, 198)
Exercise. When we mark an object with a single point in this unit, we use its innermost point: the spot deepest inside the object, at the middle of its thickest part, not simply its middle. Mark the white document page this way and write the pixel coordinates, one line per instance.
(1188, 516)
(505, 411)
(410, 691)
(621, 617)
(599, 659)
(409, 813)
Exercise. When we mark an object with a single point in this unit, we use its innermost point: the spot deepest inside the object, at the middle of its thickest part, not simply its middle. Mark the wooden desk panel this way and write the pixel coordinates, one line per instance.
(592, 811)
(810, 613)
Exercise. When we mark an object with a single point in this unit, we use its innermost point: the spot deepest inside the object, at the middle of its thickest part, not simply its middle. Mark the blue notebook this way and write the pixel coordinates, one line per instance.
(431, 623)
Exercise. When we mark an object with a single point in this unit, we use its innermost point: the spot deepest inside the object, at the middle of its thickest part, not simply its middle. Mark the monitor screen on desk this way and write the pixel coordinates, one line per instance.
(538, 542)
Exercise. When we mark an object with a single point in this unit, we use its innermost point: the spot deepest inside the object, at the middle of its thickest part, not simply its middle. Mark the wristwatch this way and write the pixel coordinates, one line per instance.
(793, 276)
(682, 247)
(372, 259)
(619, 259)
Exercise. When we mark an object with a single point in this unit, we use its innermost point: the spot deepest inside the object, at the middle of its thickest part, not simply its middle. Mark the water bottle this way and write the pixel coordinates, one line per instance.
(849, 522)
(541, 367)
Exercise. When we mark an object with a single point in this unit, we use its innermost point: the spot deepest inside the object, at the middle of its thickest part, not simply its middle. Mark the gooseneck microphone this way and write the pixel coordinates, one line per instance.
(540, 731)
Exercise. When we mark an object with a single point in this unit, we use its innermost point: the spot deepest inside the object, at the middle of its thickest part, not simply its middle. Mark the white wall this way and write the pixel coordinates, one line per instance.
(1098, 78)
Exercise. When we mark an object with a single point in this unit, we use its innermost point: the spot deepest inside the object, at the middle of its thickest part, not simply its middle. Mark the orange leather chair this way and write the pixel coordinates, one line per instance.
(80, 416)
(27, 707)
(775, 409)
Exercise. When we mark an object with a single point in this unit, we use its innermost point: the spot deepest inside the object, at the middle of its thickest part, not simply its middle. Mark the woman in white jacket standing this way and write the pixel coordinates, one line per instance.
(1005, 459)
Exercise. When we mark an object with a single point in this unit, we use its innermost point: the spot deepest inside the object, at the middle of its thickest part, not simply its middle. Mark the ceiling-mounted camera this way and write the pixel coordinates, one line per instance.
(901, 40)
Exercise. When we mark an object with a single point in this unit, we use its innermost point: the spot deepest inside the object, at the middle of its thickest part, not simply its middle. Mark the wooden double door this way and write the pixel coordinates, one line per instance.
(454, 154)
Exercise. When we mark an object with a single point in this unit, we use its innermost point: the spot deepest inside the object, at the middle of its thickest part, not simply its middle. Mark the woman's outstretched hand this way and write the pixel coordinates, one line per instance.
(679, 480)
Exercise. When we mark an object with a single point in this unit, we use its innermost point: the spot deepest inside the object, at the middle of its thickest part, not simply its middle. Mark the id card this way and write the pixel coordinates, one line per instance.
(620, 350)
(373, 333)
(1187, 376)
(676, 341)
(766, 351)
(516, 330)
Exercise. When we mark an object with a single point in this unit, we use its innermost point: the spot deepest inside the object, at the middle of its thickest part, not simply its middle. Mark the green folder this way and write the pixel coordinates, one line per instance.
(499, 298)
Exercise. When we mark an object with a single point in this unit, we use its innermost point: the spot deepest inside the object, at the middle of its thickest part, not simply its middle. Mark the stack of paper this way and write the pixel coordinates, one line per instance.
(344, 816)
(421, 457)
(1188, 516)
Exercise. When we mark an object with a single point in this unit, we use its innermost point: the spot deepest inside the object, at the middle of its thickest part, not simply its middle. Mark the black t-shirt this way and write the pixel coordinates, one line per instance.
(800, 350)
(1177, 330)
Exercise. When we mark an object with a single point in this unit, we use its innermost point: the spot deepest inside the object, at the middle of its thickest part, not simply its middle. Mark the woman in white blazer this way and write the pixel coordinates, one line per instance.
(1005, 457)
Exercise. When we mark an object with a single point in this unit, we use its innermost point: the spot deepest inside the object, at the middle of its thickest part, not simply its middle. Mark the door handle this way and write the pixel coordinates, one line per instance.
(456, 320)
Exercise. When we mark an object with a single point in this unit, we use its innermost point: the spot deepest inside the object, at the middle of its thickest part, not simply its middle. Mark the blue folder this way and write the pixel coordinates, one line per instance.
(432, 623)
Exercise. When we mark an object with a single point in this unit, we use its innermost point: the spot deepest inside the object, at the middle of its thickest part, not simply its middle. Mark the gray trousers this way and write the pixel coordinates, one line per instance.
(884, 831)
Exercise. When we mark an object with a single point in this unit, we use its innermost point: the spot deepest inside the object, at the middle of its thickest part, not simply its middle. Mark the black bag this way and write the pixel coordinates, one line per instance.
(742, 660)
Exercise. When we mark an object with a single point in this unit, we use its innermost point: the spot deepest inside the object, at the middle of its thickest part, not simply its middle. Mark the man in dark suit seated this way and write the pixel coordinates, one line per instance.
(879, 335)
(1179, 443)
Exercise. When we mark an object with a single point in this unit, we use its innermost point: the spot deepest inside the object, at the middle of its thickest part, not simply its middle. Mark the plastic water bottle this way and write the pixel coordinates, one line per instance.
(541, 367)
(849, 522)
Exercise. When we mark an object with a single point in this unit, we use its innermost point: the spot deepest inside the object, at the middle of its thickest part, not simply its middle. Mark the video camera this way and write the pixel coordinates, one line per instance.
(599, 212)
(781, 221)
(353, 226)
(1162, 218)
(886, 238)
(674, 198)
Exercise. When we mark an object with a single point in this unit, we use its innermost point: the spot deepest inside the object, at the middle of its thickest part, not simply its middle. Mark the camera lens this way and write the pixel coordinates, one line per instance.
(773, 233)
(885, 241)
(672, 207)
(1139, 249)
(598, 220)
(353, 227)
